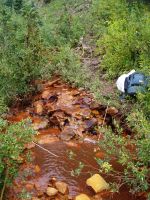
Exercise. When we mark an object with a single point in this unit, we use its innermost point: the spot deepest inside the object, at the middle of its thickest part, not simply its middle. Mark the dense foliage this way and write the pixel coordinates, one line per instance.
(20, 50)
(12, 143)
(131, 153)
(125, 38)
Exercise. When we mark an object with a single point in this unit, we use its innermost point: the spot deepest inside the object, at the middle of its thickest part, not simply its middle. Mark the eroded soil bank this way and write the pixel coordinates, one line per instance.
(66, 121)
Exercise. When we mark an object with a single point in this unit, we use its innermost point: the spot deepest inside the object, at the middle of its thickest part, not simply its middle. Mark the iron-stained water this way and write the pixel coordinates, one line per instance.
(61, 168)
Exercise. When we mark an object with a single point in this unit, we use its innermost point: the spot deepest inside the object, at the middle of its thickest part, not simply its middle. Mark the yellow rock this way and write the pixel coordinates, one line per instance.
(61, 187)
(51, 191)
(82, 197)
(97, 183)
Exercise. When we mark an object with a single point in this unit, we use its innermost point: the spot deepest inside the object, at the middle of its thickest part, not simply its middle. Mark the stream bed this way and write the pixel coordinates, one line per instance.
(63, 117)
(61, 168)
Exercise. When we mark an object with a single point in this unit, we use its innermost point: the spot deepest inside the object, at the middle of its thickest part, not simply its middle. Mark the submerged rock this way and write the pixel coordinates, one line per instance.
(51, 191)
(29, 186)
(67, 134)
(62, 187)
(82, 197)
(97, 197)
(97, 183)
(40, 125)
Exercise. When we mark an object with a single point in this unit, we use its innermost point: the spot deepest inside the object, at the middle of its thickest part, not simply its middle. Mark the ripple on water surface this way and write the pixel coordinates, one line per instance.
(62, 166)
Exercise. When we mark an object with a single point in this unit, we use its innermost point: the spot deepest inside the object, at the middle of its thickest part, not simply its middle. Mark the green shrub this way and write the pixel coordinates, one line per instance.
(125, 41)
(60, 25)
(143, 103)
(12, 140)
(68, 65)
(131, 153)
(21, 50)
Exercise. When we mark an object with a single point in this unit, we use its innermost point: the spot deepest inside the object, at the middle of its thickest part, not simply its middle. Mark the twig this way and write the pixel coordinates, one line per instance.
(45, 149)
(105, 115)
(104, 119)
(50, 83)
(4, 185)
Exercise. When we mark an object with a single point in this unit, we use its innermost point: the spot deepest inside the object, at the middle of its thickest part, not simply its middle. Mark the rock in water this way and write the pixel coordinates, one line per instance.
(62, 187)
(40, 125)
(51, 191)
(67, 134)
(38, 106)
(82, 197)
(97, 183)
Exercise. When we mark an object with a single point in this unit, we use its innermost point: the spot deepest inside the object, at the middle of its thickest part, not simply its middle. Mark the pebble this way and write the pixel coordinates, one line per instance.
(51, 191)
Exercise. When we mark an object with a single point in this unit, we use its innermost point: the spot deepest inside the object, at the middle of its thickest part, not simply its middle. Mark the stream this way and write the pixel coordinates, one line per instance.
(65, 119)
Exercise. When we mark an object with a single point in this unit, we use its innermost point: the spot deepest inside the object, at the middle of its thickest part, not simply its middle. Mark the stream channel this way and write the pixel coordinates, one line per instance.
(65, 119)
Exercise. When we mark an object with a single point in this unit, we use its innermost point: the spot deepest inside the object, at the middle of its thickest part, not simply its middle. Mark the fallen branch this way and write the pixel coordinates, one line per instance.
(104, 120)
(50, 83)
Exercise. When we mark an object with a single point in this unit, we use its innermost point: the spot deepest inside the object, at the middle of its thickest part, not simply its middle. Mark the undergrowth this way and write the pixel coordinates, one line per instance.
(125, 40)
(131, 153)
(12, 144)
(21, 51)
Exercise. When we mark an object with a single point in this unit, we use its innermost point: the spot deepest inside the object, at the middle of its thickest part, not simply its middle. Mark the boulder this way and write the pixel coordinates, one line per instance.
(82, 197)
(51, 191)
(62, 187)
(97, 183)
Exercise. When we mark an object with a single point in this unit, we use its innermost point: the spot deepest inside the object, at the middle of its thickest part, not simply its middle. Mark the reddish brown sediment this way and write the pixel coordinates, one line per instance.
(63, 116)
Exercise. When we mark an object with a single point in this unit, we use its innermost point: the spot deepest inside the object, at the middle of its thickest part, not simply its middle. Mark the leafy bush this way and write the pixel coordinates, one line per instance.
(144, 103)
(125, 40)
(131, 153)
(12, 140)
(21, 50)
(68, 65)
(61, 25)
